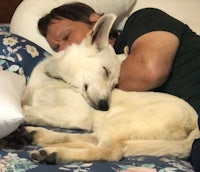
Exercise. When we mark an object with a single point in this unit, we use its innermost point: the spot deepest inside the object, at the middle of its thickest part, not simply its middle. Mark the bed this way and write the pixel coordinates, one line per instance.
(22, 47)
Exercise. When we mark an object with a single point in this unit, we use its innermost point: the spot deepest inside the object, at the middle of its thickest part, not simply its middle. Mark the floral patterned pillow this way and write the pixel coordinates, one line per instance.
(18, 54)
(4, 27)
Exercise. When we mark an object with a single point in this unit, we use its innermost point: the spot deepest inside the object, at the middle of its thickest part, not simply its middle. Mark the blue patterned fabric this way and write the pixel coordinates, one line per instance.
(4, 27)
(11, 161)
(18, 54)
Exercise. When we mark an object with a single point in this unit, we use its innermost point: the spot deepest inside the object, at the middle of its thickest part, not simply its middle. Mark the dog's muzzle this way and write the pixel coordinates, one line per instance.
(103, 105)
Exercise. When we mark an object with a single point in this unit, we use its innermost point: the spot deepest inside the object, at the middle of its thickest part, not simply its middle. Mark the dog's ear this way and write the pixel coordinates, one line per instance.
(99, 35)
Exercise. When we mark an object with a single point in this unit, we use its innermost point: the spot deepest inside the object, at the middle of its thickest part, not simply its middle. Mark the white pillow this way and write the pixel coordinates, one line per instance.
(11, 88)
(25, 18)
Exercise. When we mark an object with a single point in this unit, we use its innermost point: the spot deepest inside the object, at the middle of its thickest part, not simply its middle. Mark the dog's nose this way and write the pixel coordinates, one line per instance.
(103, 105)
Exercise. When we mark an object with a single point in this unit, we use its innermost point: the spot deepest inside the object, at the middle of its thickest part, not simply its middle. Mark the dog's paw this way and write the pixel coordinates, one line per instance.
(43, 137)
(44, 156)
(28, 137)
(36, 135)
(15, 140)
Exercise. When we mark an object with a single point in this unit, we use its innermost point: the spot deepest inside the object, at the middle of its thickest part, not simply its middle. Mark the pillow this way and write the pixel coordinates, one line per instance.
(25, 18)
(18, 54)
(11, 88)
(4, 27)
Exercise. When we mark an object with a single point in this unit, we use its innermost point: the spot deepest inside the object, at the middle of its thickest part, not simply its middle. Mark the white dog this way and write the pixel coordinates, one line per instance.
(73, 90)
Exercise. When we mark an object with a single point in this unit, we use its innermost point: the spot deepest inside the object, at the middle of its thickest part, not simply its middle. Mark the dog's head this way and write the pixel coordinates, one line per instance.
(91, 68)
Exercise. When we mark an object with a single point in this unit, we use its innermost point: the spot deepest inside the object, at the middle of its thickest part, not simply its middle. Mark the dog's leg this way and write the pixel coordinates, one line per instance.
(68, 147)
(84, 153)
(177, 148)
(51, 116)
(41, 116)
(42, 136)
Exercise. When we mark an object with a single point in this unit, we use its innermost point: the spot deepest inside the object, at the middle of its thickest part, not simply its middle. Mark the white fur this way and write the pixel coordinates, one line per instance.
(67, 90)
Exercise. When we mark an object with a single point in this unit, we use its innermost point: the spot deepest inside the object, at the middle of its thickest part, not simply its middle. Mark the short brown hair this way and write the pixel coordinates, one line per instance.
(74, 11)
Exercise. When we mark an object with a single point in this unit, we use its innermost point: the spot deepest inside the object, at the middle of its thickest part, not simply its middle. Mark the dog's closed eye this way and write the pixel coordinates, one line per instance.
(86, 87)
(54, 77)
(107, 72)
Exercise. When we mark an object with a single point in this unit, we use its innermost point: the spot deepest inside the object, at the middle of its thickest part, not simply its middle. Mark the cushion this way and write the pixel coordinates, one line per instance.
(11, 88)
(18, 54)
(4, 27)
(25, 18)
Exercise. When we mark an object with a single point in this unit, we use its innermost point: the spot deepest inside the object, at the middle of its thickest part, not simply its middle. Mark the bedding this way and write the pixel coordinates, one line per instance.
(18, 54)
(16, 58)
(11, 88)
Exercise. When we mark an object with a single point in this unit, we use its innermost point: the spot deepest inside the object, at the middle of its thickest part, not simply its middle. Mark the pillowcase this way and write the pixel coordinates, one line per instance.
(18, 54)
(27, 14)
(11, 88)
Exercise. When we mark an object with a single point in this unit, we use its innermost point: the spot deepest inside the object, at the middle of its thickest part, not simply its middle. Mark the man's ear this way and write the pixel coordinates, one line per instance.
(94, 17)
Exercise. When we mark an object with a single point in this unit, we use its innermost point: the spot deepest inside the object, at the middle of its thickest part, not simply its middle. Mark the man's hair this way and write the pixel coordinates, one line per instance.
(73, 11)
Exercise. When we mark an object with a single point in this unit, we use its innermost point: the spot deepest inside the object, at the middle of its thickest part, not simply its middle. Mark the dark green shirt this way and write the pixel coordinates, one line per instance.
(184, 79)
